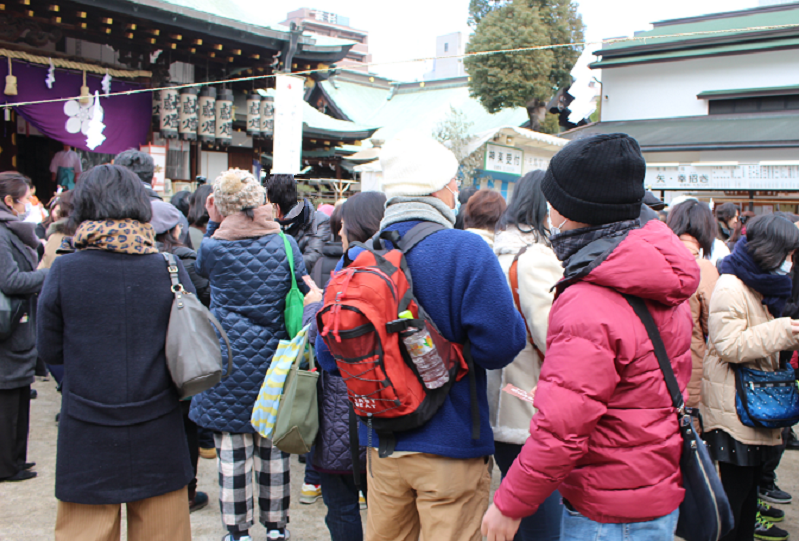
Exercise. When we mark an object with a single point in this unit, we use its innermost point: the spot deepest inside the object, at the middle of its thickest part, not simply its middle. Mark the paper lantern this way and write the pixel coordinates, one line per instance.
(224, 117)
(170, 103)
(267, 116)
(188, 114)
(206, 115)
(254, 115)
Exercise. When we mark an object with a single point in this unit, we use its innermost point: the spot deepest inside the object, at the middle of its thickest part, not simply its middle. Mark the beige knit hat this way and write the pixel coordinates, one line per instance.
(235, 190)
(416, 165)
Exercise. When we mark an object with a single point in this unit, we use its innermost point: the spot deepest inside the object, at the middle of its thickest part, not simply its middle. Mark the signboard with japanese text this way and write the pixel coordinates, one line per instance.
(502, 159)
(722, 177)
(289, 91)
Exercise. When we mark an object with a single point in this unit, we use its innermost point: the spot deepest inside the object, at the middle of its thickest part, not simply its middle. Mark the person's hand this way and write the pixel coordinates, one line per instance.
(213, 213)
(311, 284)
(314, 295)
(795, 326)
(498, 527)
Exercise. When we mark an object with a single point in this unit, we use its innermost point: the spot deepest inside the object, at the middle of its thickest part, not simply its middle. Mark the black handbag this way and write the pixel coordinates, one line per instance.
(11, 311)
(705, 513)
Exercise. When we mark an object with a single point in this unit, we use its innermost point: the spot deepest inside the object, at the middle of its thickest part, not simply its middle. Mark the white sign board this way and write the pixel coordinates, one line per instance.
(722, 177)
(502, 159)
(287, 154)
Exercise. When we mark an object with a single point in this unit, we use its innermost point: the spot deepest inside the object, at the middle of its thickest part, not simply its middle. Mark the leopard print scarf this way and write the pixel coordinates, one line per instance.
(121, 236)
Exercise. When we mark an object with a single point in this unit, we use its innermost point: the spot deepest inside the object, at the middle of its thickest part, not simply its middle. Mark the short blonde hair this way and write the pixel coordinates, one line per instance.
(236, 190)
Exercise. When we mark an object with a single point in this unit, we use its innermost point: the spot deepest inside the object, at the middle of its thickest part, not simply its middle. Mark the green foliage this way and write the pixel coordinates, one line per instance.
(454, 131)
(522, 79)
(478, 9)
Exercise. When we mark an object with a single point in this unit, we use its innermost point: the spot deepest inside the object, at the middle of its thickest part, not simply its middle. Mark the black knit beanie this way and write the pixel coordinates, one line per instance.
(597, 180)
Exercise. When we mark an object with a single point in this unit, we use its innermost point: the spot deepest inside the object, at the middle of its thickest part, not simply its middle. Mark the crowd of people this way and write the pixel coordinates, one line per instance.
(536, 289)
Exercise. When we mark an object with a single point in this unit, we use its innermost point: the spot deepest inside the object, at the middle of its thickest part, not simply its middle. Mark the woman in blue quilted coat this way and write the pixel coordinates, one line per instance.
(244, 258)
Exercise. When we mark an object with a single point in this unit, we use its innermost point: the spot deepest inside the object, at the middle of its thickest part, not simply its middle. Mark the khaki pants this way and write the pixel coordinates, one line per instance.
(442, 498)
(160, 518)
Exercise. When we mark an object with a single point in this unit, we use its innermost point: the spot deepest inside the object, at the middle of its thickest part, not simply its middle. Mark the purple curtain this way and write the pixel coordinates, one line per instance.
(126, 118)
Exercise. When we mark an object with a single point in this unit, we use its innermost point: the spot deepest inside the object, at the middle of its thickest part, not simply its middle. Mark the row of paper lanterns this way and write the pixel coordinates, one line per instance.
(209, 116)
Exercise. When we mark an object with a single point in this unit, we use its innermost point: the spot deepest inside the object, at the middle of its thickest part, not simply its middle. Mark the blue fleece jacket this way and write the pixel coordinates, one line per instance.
(458, 281)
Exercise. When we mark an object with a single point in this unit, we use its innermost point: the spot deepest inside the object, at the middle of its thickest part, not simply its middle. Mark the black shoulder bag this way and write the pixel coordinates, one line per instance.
(705, 513)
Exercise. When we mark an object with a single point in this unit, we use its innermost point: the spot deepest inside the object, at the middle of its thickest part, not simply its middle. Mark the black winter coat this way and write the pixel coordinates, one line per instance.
(188, 257)
(104, 316)
(19, 278)
(332, 253)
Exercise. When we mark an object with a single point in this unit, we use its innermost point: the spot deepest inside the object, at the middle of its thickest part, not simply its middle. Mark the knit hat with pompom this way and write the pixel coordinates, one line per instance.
(236, 190)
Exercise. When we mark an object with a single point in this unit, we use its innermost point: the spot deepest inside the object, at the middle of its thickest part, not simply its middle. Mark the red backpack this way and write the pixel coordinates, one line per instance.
(360, 324)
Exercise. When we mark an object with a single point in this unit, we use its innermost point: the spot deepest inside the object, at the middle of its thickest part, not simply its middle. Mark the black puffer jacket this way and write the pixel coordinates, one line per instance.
(331, 255)
(310, 228)
(19, 278)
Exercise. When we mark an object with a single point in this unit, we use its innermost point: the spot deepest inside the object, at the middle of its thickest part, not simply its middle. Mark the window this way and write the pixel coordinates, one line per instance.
(177, 159)
(446, 47)
(764, 104)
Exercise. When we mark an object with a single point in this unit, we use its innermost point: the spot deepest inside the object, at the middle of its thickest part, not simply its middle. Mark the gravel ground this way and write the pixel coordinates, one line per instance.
(28, 509)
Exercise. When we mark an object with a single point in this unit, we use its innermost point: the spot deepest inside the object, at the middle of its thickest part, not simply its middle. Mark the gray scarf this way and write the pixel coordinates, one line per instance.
(411, 209)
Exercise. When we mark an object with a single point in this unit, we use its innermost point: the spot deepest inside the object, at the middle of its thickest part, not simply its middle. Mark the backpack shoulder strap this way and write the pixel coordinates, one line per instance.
(513, 276)
(417, 234)
(643, 313)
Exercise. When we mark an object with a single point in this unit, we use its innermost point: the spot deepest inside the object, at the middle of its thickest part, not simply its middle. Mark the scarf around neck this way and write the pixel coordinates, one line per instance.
(239, 226)
(775, 288)
(120, 236)
(425, 209)
(295, 219)
(24, 231)
(568, 243)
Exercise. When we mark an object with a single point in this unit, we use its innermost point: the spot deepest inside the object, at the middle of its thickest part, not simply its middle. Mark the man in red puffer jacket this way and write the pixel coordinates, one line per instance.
(605, 433)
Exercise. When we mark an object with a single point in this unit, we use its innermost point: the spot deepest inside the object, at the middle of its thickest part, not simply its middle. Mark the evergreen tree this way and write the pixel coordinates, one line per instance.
(523, 79)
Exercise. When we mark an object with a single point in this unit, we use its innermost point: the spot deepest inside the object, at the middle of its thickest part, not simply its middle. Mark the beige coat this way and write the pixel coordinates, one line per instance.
(742, 331)
(487, 236)
(700, 310)
(539, 270)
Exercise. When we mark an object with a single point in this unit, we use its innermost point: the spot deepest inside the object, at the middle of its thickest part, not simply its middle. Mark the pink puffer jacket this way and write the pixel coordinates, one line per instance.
(605, 432)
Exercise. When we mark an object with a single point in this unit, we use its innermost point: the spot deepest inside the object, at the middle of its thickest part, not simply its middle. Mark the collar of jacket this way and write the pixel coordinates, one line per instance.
(59, 226)
(24, 231)
(239, 226)
(587, 259)
(298, 217)
(513, 239)
(333, 249)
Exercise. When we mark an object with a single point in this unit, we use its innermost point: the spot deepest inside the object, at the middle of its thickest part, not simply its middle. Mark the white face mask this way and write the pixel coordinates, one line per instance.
(27, 212)
(457, 201)
(555, 229)
(785, 268)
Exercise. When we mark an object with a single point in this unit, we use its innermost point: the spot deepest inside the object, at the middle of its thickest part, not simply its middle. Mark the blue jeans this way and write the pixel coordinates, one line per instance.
(544, 525)
(576, 527)
(343, 510)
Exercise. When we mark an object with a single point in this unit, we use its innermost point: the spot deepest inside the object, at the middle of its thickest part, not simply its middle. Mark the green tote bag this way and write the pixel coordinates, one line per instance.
(298, 415)
(295, 298)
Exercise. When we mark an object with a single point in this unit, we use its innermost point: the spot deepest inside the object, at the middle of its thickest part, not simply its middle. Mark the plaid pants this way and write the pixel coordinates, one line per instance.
(238, 455)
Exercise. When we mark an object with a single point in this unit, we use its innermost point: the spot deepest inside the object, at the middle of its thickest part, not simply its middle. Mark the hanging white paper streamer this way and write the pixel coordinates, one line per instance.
(106, 83)
(50, 75)
(94, 135)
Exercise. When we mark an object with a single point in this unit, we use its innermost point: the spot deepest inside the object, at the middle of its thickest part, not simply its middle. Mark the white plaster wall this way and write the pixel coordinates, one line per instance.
(669, 89)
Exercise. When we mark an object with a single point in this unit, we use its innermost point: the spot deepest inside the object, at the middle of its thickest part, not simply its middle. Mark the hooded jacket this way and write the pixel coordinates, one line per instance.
(606, 433)
(538, 270)
(19, 278)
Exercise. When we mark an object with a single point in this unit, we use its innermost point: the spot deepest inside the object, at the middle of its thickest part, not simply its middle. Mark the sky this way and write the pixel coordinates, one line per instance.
(400, 31)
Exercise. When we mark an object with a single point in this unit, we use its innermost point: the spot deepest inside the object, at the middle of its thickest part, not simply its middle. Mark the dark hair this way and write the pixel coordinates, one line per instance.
(282, 191)
(484, 210)
(14, 184)
(726, 212)
(139, 162)
(109, 192)
(362, 214)
(694, 218)
(181, 201)
(65, 204)
(198, 214)
(528, 207)
(463, 197)
(335, 223)
(790, 216)
(770, 239)
(167, 238)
